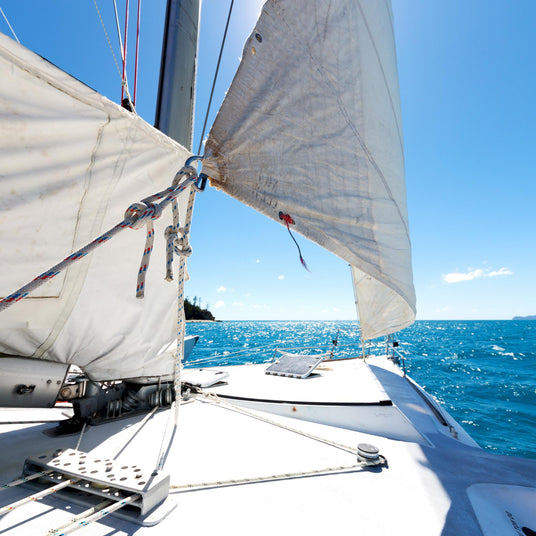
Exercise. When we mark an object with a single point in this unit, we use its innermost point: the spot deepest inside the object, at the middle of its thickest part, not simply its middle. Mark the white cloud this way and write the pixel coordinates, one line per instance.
(258, 261)
(280, 277)
(219, 304)
(457, 277)
(237, 304)
(221, 289)
(502, 271)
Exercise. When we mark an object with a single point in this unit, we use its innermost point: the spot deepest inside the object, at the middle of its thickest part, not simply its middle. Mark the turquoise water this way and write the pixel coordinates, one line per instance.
(483, 372)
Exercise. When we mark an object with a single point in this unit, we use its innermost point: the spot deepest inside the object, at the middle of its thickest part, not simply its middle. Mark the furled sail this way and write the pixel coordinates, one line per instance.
(71, 162)
(311, 126)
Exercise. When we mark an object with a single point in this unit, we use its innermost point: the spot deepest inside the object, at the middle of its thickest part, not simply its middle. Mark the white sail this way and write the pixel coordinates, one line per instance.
(71, 162)
(311, 126)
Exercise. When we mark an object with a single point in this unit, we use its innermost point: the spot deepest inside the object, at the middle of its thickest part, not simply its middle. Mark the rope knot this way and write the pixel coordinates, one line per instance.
(185, 172)
(139, 214)
(182, 247)
(287, 218)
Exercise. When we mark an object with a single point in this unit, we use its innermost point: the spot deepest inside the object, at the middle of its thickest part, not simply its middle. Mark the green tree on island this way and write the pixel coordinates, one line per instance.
(192, 311)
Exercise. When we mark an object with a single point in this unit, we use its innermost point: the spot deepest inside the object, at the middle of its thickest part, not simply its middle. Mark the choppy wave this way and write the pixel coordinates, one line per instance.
(481, 371)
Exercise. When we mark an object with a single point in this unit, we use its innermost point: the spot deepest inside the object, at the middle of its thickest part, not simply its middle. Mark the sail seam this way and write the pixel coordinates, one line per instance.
(398, 129)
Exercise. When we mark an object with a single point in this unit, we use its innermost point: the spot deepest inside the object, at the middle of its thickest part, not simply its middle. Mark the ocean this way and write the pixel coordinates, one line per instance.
(482, 372)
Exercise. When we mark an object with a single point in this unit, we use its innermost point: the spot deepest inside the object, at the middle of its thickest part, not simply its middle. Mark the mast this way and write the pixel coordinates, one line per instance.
(176, 88)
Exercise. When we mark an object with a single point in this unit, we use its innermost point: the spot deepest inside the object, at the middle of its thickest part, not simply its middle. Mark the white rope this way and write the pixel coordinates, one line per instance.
(181, 321)
(124, 82)
(79, 517)
(37, 496)
(178, 488)
(213, 398)
(80, 437)
(108, 38)
(24, 479)
(99, 514)
(12, 30)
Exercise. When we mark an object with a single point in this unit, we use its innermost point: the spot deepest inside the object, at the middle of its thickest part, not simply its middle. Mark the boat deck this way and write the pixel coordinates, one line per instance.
(241, 471)
(354, 383)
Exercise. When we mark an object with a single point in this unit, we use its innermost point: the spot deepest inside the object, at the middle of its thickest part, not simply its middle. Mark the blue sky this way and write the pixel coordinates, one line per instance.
(467, 79)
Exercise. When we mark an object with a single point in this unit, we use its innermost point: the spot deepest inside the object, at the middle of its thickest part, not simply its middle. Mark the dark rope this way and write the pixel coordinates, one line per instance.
(287, 218)
(215, 78)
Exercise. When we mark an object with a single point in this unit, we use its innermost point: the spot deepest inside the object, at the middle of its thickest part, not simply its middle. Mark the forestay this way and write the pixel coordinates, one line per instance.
(311, 126)
(71, 163)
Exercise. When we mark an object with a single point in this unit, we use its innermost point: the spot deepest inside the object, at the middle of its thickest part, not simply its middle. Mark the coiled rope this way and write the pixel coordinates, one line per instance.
(136, 216)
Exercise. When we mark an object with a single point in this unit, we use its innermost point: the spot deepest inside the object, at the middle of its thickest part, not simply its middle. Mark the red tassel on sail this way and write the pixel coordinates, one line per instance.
(287, 218)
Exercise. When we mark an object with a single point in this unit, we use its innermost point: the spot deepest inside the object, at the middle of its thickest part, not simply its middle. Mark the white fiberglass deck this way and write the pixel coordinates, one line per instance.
(353, 383)
(237, 471)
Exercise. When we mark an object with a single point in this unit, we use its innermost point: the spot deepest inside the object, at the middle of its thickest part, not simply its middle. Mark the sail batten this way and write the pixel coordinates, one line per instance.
(311, 126)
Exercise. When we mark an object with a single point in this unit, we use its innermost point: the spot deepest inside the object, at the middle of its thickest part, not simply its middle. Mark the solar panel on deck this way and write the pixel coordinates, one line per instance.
(294, 365)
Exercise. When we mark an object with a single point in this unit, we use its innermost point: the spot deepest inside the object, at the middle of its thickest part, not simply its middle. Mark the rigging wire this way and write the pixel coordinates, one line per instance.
(118, 31)
(124, 77)
(215, 77)
(124, 81)
(107, 38)
(10, 27)
(137, 50)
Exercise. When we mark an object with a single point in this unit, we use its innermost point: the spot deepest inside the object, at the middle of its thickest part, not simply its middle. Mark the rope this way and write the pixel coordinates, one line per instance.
(10, 27)
(24, 479)
(124, 82)
(80, 438)
(215, 399)
(107, 38)
(38, 496)
(118, 28)
(215, 77)
(269, 478)
(104, 509)
(124, 55)
(287, 218)
(79, 517)
(181, 320)
(137, 50)
(135, 217)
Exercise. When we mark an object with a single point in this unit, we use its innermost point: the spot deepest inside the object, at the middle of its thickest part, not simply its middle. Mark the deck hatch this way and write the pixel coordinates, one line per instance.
(295, 365)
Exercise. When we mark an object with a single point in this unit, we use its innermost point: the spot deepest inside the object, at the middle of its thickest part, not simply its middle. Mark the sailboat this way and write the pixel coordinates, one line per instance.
(308, 443)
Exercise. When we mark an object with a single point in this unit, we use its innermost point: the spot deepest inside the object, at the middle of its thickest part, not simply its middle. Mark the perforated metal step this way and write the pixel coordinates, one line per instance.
(103, 477)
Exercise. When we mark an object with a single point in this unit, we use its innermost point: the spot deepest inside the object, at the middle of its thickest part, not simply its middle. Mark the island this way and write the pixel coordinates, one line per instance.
(193, 311)
(529, 317)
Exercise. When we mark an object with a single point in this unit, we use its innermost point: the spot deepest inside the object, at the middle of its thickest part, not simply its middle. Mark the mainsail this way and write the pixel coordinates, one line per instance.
(311, 127)
(71, 163)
